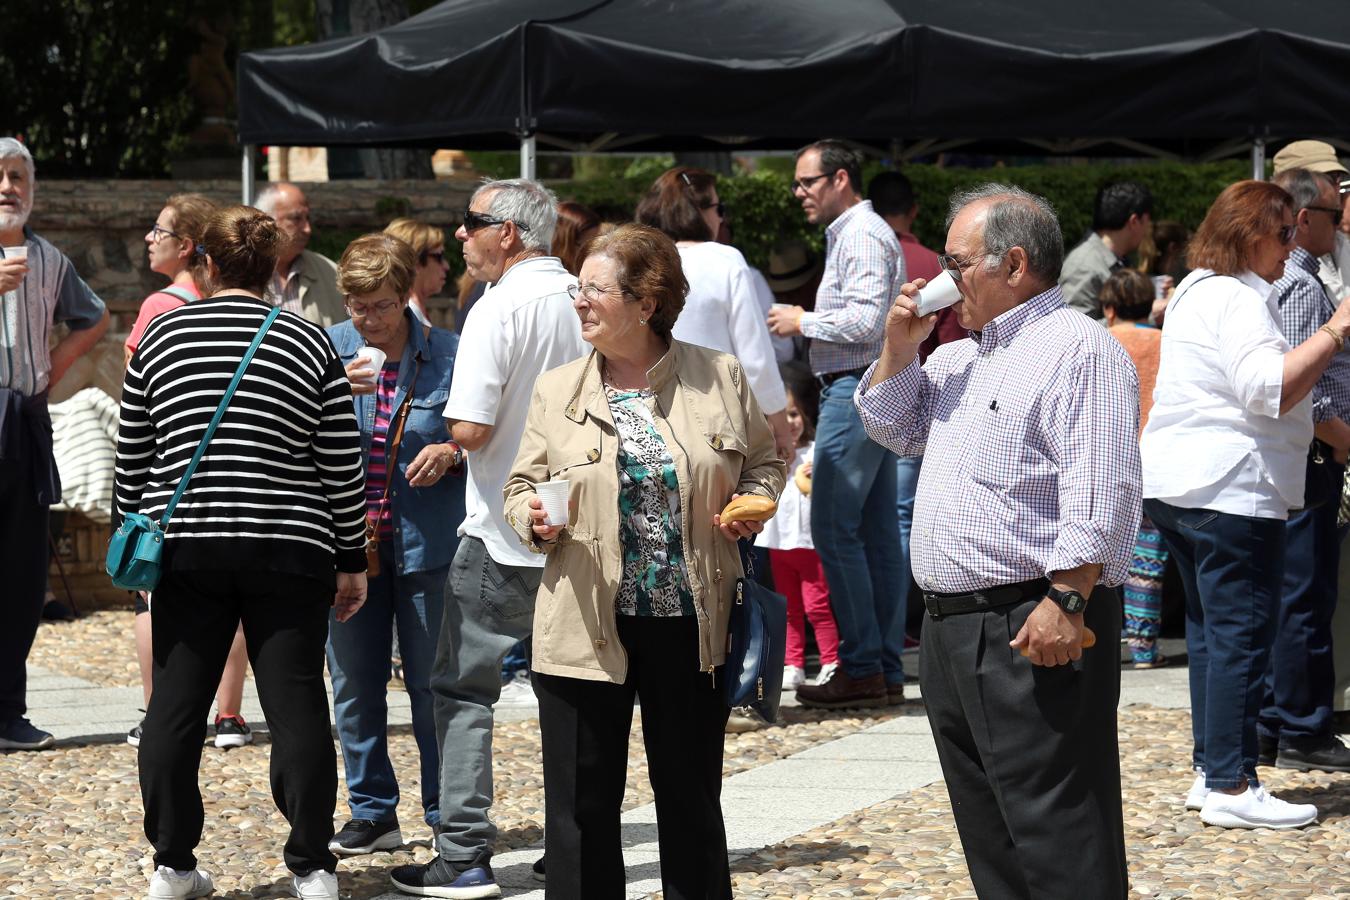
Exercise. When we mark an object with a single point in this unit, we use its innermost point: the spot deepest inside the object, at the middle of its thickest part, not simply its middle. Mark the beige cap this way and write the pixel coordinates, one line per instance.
(791, 265)
(1315, 156)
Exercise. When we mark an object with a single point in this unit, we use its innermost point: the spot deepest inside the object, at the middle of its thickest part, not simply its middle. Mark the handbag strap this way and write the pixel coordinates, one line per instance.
(220, 414)
(395, 440)
(179, 293)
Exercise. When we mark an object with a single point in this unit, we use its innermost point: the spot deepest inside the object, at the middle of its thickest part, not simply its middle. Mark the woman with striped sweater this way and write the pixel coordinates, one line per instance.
(270, 533)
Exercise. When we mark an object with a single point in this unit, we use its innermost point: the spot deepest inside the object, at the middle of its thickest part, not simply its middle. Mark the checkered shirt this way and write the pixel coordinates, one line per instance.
(864, 269)
(1028, 433)
(1304, 308)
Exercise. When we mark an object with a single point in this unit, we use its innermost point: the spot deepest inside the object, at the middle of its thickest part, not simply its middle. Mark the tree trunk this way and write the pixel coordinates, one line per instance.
(336, 18)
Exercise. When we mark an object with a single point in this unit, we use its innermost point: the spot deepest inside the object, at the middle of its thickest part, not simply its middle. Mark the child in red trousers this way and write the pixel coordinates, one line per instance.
(797, 573)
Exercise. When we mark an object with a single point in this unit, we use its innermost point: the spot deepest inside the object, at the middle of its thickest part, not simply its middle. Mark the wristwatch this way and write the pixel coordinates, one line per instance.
(1070, 601)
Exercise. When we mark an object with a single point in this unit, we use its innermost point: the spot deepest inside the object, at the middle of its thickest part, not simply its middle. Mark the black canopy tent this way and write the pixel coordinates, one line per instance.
(1194, 78)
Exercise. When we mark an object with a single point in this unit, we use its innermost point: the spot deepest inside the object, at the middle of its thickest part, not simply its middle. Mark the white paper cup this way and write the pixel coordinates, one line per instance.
(937, 294)
(1160, 286)
(376, 357)
(19, 252)
(553, 494)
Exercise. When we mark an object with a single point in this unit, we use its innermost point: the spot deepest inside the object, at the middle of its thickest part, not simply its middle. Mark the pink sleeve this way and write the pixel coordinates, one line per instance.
(154, 305)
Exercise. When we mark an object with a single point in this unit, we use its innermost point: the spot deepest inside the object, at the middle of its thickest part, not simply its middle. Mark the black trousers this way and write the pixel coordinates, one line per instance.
(585, 727)
(1029, 753)
(23, 558)
(285, 619)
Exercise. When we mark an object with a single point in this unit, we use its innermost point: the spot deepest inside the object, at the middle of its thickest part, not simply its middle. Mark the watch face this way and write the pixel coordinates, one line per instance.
(1073, 602)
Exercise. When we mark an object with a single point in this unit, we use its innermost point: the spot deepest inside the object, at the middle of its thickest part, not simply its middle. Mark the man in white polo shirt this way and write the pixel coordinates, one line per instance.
(523, 326)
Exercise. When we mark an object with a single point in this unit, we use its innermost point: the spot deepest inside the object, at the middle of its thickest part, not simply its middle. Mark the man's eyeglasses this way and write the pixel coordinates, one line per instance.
(591, 292)
(954, 266)
(476, 220)
(1334, 211)
(158, 234)
(804, 184)
(362, 310)
(438, 255)
(1285, 234)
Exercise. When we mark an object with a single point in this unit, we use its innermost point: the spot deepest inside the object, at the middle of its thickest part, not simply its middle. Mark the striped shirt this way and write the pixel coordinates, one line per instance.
(1030, 455)
(1304, 308)
(50, 293)
(281, 485)
(864, 269)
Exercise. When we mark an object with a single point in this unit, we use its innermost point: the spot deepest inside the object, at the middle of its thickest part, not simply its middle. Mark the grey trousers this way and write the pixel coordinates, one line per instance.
(488, 608)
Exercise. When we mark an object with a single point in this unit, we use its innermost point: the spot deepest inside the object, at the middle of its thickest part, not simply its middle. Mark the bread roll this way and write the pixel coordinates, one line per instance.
(749, 508)
(803, 480)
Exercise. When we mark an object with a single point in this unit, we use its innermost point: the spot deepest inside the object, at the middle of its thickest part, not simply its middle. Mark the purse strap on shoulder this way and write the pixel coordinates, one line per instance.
(220, 414)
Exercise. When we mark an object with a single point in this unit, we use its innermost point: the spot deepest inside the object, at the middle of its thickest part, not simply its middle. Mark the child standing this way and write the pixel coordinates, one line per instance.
(797, 573)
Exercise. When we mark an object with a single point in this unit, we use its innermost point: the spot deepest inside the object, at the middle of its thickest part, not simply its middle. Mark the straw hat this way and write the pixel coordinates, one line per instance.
(791, 265)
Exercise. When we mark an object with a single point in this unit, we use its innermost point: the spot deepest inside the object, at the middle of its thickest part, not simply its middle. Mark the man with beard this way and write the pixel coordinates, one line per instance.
(39, 288)
(304, 282)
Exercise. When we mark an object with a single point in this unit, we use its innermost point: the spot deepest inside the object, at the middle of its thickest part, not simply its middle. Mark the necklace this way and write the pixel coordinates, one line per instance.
(609, 381)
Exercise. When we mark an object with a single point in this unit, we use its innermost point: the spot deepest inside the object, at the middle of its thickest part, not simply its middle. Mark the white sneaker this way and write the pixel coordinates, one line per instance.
(317, 885)
(171, 884)
(826, 672)
(1254, 808)
(1195, 797)
(518, 692)
(793, 677)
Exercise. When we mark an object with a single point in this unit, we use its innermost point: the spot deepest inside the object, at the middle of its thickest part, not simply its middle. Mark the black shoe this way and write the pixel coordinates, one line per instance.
(364, 836)
(20, 734)
(1324, 755)
(56, 611)
(443, 878)
(1340, 721)
(1267, 750)
(538, 869)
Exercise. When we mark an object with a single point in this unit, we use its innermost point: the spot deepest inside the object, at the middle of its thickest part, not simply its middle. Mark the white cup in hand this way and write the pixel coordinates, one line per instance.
(376, 357)
(19, 252)
(937, 294)
(553, 494)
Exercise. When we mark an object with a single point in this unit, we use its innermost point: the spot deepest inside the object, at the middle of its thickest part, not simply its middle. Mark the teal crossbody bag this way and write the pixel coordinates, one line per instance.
(136, 548)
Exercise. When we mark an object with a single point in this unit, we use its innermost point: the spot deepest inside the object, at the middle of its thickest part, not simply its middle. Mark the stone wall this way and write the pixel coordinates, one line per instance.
(101, 226)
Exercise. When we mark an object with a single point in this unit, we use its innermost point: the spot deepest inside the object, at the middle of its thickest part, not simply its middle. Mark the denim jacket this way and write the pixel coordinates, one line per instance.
(426, 520)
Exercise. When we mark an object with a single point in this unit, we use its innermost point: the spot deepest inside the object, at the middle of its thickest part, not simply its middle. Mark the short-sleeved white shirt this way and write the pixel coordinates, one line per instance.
(522, 326)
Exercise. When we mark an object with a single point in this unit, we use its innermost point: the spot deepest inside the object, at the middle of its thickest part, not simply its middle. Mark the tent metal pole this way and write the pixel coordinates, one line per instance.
(1259, 159)
(528, 156)
(248, 176)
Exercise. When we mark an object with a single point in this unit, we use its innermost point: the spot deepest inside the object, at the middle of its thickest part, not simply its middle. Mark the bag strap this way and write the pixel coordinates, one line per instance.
(1177, 298)
(395, 439)
(180, 293)
(220, 414)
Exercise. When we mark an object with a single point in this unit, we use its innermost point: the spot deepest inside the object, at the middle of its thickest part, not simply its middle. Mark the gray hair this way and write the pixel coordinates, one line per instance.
(1304, 186)
(266, 201)
(1016, 218)
(533, 207)
(13, 149)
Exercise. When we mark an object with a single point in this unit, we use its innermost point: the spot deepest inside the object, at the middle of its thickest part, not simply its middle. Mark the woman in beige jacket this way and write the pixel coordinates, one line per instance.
(654, 437)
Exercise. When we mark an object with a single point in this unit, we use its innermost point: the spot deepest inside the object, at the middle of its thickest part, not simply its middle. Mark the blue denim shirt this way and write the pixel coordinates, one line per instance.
(426, 520)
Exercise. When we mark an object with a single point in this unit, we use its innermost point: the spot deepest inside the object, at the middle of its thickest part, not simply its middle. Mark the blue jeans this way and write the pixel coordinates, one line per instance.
(1302, 676)
(1232, 568)
(906, 486)
(517, 660)
(488, 608)
(853, 525)
(358, 661)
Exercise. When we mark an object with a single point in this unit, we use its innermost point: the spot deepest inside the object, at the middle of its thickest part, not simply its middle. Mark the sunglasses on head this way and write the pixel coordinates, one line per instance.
(476, 220)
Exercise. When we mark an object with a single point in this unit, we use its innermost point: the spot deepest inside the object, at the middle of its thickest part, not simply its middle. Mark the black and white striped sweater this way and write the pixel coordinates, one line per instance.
(282, 486)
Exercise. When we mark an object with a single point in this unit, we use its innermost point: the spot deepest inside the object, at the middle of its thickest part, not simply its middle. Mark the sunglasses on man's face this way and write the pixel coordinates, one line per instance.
(473, 221)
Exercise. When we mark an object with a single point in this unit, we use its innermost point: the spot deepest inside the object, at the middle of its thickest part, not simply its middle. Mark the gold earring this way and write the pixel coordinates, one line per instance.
(642, 321)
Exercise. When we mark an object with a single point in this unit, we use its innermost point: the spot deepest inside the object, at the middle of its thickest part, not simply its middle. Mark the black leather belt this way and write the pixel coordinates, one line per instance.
(940, 605)
(830, 378)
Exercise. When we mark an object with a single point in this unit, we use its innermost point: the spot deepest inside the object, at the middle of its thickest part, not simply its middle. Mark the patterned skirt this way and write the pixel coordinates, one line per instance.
(1143, 591)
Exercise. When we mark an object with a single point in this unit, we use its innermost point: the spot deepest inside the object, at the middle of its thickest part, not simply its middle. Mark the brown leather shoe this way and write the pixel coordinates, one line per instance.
(895, 694)
(843, 692)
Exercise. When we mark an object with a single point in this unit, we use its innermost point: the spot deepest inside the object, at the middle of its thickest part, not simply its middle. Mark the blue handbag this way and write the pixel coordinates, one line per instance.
(756, 647)
(137, 546)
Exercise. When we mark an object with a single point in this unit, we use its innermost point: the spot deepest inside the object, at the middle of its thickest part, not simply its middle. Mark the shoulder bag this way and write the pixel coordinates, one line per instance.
(756, 646)
(137, 546)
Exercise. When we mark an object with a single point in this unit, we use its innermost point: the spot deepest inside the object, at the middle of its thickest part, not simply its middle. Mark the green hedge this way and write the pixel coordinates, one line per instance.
(763, 210)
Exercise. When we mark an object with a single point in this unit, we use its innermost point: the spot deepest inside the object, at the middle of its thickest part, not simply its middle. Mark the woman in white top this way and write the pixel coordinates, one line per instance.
(721, 311)
(1223, 462)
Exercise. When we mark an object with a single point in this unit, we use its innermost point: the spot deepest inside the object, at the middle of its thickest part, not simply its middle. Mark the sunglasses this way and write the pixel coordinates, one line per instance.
(1334, 211)
(473, 221)
(719, 206)
(1285, 234)
(438, 255)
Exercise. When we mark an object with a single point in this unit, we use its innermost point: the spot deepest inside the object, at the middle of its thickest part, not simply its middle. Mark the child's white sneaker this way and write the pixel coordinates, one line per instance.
(793, 677)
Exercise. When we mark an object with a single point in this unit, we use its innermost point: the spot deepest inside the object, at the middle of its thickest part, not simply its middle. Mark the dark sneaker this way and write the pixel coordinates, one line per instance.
(843, 691)
(134, 735)
(895, 694)
(537, 870)
(19, 734)
(364, 836)
(1267, 749)
(442, 878)
(1327, 755)
(232, 731)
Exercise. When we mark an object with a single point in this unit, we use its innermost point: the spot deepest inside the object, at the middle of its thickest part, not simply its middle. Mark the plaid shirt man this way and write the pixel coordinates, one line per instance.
(864, 269)
(1304, 308)
(1031, 457)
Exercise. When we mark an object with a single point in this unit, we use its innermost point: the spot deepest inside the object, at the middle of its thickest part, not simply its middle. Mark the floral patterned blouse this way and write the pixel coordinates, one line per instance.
(655, 581)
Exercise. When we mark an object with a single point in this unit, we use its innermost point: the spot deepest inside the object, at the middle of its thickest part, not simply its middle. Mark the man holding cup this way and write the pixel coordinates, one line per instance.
(40, 289)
